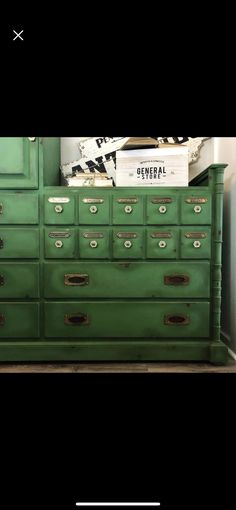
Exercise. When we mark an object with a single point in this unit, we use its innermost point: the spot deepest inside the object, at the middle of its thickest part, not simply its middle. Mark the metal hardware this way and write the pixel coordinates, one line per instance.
(197, 209)
(128, 209)
(158, 235)
(196, 235)
(31, 139)
(176, 320)
(76, 280)
(93, 200)
(1, 208)
(58, 209)
(93, 209)
(58, 244)
(196, 200)
(161, 200)
(197, 244)
(127, 244)
(92, 235)
(2, 320)
(1, 244)
(176, 279)
(59, 200)
(2, 280)
(64, 235)
(162, 209)
(127, 200)
(94, 244)
(162, 244)
(127, 235)
(76, 319)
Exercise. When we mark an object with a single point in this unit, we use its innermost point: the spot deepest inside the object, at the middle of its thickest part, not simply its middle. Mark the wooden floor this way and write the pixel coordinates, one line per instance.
(117, 368)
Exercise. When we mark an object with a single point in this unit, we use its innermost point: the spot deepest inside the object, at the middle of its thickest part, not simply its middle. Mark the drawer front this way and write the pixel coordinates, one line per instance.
(94, 210)
(19, 280)
(162, 209)
(18, 208)
(19, 243)
(19, 320)
(127, 279)
(128, 210)
(196, 208)
(195, 243)
(94, 243)
(128, 243)
(162, 243)
(60, 243)
(115, 319)
(59, 210)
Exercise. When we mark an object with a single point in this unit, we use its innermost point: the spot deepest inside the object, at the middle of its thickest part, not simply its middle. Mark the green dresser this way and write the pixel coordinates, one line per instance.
(128, 274)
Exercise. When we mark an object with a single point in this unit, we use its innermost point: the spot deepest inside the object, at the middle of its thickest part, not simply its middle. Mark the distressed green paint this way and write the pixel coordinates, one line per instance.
(126, 294)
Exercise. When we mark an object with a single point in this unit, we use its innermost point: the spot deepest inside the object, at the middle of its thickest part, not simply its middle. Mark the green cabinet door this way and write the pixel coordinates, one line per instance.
(94, 209)
(19, 162)
(19, 320)
(60, 243)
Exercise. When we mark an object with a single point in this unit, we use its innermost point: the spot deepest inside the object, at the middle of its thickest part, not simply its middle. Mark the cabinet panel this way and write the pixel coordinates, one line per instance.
(19, 162)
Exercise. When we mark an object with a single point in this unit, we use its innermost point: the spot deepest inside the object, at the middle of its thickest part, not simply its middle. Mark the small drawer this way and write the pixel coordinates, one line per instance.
(162, 209)
(162, 243)
(59, 210)
(19, 243)
(94, 243)
(19, 209)
(196, 208)
(195, 243)
(19, 320)
(94, 210)
(60, 243)
(128, 210)
(128, 243)
(19, 280)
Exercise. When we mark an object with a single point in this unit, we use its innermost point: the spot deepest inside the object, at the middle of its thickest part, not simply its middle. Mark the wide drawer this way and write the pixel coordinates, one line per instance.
(115, 319)
(127, 279)
(19, 280)
(18, 243)
(19, 320)
(19, 209)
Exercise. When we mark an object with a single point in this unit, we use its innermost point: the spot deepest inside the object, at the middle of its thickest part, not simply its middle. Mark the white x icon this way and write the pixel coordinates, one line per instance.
(18, 35)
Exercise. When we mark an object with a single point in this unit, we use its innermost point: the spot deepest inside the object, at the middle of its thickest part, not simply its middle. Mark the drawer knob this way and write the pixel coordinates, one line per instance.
(58, 209)
(2, 319)
(128, 209)
(1, 244)
(127, 244)
(162, 209)
(197, 244)
(162, 244)
(197, 209)
(1, 208)
(93, 209)
(94, 244)
(59, 244)
(2, 280)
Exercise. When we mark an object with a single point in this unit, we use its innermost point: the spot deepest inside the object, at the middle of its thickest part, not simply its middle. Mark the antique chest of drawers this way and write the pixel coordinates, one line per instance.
(106, 273)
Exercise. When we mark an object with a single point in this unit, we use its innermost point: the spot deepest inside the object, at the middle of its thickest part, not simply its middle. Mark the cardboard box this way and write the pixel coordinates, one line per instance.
(152, 167)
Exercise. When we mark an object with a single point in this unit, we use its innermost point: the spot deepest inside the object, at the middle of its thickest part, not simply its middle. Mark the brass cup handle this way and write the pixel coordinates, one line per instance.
(76, 319)
(176, 320)
(76, 280)
(2, 319)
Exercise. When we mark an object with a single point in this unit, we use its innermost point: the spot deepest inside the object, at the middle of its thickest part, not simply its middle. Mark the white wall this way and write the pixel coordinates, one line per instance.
(214, 150)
